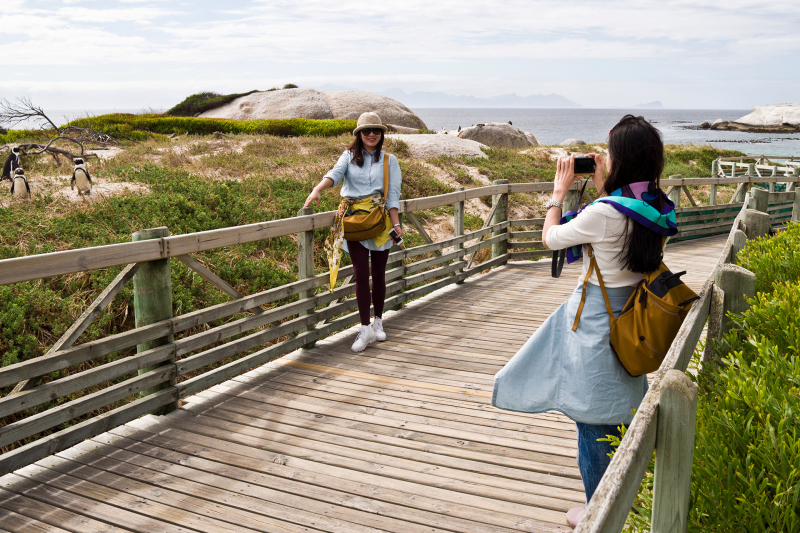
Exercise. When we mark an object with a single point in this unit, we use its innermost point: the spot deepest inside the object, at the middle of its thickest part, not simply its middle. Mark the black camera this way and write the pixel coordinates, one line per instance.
(398, 240)
(584, 164)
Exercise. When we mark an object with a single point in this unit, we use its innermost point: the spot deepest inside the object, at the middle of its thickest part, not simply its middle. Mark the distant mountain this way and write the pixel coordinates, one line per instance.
(440, 99)
(652, 105)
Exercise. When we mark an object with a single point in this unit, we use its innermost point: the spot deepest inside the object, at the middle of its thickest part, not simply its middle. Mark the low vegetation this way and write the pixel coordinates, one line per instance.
(202, 102)
(745, 474)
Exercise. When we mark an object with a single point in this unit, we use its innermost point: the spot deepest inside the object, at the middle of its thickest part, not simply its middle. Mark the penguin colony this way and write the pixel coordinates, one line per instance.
(13, 172)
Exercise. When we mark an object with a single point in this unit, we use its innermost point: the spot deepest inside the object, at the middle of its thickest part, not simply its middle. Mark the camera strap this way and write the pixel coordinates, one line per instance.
(557, 263)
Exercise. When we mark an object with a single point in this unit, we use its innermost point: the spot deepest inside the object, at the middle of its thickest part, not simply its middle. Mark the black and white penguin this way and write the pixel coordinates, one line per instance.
(81, 178)
(19, 186)
(459, 129)
(11, 164)
(509, 123)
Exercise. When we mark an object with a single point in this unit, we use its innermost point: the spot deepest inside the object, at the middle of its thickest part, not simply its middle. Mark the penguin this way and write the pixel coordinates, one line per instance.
(81, 178)
(11, 164)
(19, 186)
(509, 123)
(459, 129)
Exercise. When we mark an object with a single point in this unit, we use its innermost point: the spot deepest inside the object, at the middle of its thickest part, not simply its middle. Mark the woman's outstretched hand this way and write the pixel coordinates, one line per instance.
(313, 197)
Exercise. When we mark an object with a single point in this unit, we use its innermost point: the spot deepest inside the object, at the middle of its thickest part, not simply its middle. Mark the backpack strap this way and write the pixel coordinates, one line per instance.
(593, 267)
(385, 178)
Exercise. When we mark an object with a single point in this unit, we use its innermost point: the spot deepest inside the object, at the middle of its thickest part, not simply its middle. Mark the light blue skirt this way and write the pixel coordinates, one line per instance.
(574, 372)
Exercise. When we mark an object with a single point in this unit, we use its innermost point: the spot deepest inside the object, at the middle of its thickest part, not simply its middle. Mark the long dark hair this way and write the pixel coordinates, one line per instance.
(357, 150)
(637, 154)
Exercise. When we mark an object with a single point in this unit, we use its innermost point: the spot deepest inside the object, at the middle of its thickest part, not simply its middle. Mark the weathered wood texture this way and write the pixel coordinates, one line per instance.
(398, 438)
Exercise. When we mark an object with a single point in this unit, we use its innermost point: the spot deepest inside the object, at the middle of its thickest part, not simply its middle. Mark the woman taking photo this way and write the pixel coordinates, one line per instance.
(361, 167)
(577, 372)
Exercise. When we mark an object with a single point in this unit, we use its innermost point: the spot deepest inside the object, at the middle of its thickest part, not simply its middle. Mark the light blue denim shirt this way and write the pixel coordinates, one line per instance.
(360, 182)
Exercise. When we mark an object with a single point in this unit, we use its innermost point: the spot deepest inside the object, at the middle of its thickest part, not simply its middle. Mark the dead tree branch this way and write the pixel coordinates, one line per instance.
(12, 113)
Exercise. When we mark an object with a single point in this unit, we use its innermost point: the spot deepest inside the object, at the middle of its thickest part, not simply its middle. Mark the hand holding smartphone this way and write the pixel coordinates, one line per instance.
(397, 239)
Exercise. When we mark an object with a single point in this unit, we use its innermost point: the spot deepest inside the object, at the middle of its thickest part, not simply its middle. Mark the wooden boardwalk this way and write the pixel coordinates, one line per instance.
(399, 438)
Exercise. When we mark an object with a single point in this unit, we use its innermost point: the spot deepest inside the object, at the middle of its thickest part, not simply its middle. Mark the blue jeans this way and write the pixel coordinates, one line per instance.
(593, 459)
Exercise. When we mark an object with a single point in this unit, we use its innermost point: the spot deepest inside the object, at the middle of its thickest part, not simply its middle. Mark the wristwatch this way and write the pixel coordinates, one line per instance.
(552, 203)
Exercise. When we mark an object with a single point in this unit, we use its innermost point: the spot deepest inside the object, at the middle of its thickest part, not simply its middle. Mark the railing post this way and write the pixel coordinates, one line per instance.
(738, 284)
(715, 168)
(305, 265)
(396, 264)
(458, 228)
(152, 302)
(675, 192)
(500, 215)
(712, 196)
(759, 199)
(796, 206)
(672, 479)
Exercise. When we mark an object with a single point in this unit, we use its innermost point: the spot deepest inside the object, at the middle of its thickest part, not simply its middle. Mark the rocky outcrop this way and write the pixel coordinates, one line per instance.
(778, 118)
(350, 105)
(572, 142)
(499, 135)
(308, 103)
(435, 145)
(285, 103)
(773, 115)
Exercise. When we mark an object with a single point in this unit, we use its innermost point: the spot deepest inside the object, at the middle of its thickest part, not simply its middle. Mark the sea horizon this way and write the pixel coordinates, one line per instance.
(552, 126)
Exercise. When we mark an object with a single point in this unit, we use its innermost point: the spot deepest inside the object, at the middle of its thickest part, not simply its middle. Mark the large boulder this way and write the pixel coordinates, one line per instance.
(350, 105)
(499, 135)
(284, 103)
(773, 115)
(572, 142)
(427, 145)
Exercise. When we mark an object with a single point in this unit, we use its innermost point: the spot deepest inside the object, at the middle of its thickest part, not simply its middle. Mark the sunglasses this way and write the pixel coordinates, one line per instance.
(372, 131)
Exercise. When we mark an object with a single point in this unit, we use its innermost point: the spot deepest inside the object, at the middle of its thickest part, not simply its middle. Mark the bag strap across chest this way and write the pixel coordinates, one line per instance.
(385, 177)
(593, 267)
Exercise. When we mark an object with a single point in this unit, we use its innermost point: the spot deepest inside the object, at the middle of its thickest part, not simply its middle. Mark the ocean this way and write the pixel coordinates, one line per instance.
(552, 126)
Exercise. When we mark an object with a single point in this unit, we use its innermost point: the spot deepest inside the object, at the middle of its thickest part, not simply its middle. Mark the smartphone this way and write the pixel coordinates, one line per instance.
(584, 164)
(395, 237)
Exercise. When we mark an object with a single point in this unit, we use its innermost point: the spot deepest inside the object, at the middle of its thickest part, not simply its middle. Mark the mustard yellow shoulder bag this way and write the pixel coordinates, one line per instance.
(365, 224)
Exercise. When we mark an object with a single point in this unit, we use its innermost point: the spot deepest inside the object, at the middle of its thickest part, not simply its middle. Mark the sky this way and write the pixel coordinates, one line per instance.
(150, 54)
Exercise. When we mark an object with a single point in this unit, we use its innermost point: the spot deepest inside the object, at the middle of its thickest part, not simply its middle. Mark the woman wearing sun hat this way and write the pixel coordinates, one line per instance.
(361, 168)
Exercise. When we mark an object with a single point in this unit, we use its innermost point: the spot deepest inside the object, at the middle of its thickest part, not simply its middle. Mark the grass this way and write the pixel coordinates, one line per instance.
(202, 102)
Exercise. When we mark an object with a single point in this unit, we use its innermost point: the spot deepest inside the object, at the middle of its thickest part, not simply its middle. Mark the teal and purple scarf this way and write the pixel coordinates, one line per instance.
(635, 201)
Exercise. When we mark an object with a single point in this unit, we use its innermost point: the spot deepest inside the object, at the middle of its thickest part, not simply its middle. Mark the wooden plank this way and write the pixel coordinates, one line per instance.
(125, 497)
(240, 498)
(105, 517)
(30, 511)
(343, 466)
(264, 468)
(528, 222)
(419, 204)
(525, 234)
(25, 455)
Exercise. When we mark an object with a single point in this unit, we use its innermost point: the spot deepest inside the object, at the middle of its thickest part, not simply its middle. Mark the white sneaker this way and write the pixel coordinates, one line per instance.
(365, 337)
(377, 327)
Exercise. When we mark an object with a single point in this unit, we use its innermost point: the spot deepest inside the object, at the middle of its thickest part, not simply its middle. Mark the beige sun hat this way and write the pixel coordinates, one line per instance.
(369, 120)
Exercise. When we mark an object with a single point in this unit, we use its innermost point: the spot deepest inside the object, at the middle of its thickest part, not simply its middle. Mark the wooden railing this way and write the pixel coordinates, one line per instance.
(174, 354)
(665, 420)
(757, 166)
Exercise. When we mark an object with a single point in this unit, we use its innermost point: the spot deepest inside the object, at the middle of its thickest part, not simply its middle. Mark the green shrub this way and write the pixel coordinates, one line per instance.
(290, 86)
(694, 162)
(138, 126)
(746, 474)
(202, 102)
(773, 260)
